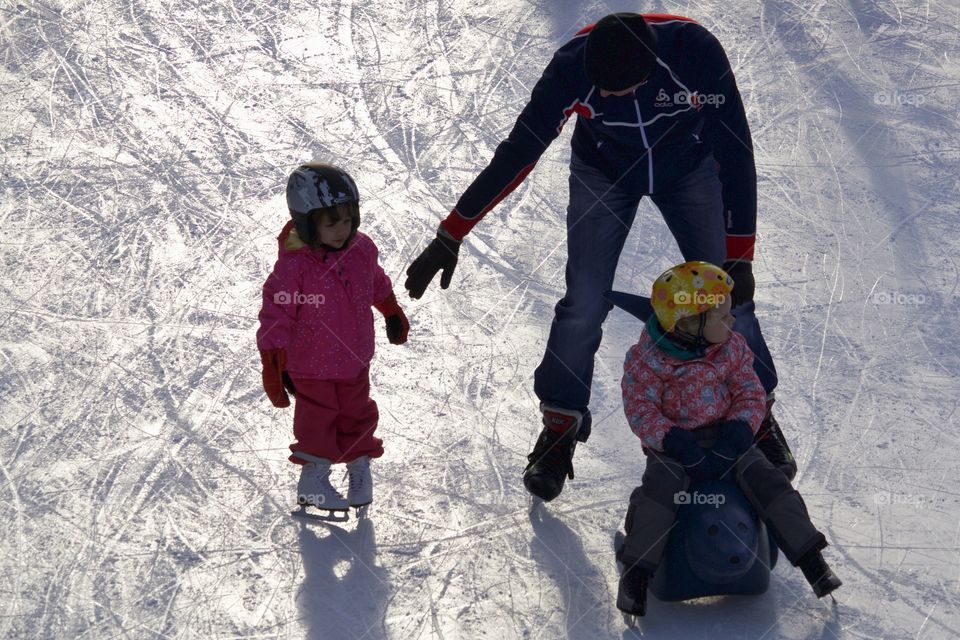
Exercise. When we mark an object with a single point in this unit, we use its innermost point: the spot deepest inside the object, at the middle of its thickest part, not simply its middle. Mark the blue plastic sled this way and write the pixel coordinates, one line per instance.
(637, 306)
(719, 545)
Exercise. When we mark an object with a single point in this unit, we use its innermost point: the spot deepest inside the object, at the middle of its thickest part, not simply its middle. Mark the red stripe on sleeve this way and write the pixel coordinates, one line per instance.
(666, 17)
(740, 247)
(509, 188)
(458, 226)
(649, 17)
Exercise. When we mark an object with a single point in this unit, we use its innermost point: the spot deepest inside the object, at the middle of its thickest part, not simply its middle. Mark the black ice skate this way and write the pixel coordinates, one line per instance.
(551, 461)
(632, 592)
(818, 574)
(770, 441)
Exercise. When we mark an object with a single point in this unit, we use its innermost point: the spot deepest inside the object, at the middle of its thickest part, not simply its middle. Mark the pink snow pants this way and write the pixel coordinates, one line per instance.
(335, 419)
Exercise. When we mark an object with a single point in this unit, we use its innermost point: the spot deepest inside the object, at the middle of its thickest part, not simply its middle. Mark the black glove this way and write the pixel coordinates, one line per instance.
(397, 323)
(439, 254)
(734, 437)
(682, 446)
(397, 328)
(743, 284)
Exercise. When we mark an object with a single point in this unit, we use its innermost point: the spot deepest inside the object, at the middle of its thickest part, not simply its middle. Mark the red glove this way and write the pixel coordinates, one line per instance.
(397, 324)
(274, 364)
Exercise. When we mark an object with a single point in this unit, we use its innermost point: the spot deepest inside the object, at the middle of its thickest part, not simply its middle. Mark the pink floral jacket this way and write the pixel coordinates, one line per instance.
(317, 306)
(661, 391)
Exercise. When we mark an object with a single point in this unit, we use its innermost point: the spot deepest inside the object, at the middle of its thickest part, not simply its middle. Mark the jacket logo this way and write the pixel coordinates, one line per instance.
(684, 98)
(298, 298)
(662, 99)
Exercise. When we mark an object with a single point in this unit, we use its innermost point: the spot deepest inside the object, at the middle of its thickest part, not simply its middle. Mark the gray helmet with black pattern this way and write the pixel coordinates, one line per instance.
(317, 185)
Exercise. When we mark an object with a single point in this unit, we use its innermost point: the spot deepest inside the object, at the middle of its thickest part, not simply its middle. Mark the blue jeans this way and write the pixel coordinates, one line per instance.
(599, 218)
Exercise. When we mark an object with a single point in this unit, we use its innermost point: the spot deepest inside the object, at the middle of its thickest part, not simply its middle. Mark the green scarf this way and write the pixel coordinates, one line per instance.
(662, 340)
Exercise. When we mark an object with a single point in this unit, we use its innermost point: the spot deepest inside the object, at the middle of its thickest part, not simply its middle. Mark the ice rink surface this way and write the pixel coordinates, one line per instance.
(144, 487)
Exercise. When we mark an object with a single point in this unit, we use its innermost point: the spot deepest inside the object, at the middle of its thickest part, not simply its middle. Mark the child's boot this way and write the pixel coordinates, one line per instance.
(632, 592)
(818, 573)
(360, 487)
(315, 489)
(551, 461)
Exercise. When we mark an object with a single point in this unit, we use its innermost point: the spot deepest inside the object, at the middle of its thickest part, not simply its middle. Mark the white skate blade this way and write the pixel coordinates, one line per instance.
(325, 515)
(536, 505)
(362, 511)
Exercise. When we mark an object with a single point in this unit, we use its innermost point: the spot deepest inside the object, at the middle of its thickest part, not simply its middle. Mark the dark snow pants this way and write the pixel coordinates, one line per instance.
(653, 508)
(599, 217)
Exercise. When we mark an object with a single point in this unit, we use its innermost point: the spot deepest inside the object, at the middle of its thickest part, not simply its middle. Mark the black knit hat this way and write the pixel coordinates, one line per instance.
(620, 52)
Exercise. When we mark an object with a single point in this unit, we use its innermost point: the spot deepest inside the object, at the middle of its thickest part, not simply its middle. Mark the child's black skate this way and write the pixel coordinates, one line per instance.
(770, 441)
(551, 461)
(818, 574)
(632, 592)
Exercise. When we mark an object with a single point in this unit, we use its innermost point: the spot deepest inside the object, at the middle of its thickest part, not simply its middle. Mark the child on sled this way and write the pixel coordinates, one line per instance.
(691, 370)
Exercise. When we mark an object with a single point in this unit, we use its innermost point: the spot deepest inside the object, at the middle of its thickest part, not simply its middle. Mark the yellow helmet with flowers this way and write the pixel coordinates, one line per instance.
(687, 290)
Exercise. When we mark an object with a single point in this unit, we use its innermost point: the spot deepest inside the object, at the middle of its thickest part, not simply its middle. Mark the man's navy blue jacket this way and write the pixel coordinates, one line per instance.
(688, 108)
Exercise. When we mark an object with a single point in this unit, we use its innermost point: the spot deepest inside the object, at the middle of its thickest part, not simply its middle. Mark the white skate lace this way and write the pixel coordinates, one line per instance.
(355, 477)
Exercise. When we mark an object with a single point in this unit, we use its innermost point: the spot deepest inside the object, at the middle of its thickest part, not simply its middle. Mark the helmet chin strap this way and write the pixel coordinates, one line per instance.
(696, 343)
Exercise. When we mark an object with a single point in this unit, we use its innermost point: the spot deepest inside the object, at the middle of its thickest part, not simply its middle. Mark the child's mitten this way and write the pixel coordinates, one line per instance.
(681, 445)
(733, 439)
(397, 324)
(274, 363)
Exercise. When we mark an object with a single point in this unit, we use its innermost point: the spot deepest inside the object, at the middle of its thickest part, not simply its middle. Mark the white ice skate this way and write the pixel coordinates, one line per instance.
(360, 487)
(314, 490)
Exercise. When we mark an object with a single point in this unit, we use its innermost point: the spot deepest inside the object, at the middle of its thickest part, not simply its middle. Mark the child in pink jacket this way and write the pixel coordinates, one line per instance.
(316, 334)
(691, 395)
